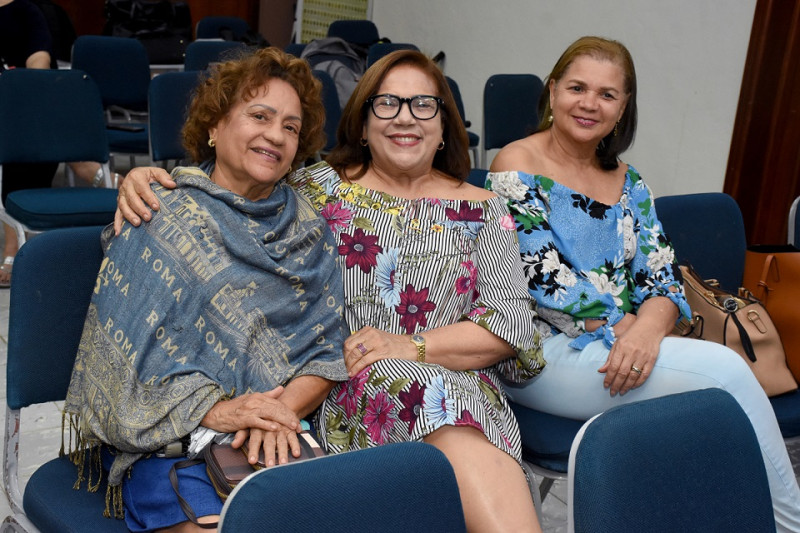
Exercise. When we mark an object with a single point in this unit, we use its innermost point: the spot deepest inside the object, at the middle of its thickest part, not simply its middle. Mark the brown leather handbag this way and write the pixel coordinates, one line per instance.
(772, 273)
(742, 324)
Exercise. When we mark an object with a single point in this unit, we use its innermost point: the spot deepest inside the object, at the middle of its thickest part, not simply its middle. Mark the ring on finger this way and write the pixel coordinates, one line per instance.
(637, 370)
(362, 349)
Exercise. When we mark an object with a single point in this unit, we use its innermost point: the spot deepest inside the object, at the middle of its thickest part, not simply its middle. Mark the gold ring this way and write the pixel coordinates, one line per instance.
(362, 349)
(637, 370)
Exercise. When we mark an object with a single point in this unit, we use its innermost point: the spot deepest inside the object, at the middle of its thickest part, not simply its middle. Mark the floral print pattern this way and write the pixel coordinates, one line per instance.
(413, 265)
(585, 259)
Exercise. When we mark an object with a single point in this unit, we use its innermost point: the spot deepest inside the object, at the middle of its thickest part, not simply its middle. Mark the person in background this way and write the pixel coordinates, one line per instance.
(435, 298)
(601, 269)
(25, 42)
(224, 313)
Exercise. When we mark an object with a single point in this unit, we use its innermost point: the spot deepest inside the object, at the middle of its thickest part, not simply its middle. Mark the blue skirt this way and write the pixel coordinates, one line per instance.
(149, 499)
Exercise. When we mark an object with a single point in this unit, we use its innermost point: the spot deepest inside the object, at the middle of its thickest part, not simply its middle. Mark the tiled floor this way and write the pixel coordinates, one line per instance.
(41, 438)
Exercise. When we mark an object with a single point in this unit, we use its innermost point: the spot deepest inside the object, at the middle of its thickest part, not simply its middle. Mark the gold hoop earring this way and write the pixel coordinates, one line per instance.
(616, 129)
(211, 142)
(550, 119)
(363, 142)
(441, 145)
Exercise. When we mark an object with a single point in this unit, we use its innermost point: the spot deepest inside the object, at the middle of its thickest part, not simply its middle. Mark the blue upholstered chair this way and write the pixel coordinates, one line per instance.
(359, 32)
(200, 54)
(707, 232)
(477, 177)
(474, 138)
(378, 50)
(54, 275)
(392, 488)
(53, 116)
(218, 27)
(333, 113)
(684, 462)
(794, 224)
(510, 109)
(296, 49)
(170, 94)
(121, 68)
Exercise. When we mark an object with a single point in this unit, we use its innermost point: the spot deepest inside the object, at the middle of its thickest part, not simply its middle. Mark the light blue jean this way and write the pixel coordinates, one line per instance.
(570, 386)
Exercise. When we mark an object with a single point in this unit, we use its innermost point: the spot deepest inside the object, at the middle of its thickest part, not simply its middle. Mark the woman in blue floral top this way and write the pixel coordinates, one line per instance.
(601, 269)
(434, 289)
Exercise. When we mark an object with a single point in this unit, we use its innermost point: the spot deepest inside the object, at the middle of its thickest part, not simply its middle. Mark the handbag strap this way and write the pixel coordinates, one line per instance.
(763, 287)
(747, 344)
(187, 508)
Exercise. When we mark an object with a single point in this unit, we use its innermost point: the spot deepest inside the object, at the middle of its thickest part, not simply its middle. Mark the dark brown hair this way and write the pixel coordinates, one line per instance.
(241, 78)
(621, 139)
(453, 159)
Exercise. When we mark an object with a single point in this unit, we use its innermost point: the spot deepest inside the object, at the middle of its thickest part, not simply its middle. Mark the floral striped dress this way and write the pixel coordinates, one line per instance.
(413, 265)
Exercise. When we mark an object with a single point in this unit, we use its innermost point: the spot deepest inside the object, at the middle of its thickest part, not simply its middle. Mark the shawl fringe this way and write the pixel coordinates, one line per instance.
(86, 455)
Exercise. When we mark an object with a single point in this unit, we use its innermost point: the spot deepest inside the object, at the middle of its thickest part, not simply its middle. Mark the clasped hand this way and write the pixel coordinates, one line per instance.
(261, 416)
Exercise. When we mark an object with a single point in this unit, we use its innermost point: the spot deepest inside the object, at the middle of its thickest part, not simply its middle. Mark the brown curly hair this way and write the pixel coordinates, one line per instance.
(453, 159)
(241, 78)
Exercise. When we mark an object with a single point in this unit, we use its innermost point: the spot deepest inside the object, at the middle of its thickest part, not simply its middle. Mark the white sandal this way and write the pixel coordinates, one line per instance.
(5, 268)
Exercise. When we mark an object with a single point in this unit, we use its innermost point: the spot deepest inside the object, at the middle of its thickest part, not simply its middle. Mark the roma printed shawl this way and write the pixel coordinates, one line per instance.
(217, 296)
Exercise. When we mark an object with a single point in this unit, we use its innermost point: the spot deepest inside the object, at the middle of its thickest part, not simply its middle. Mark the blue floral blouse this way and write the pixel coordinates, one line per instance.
(584, 259)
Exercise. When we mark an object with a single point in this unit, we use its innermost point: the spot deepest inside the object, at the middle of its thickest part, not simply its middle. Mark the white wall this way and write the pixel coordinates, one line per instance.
(689, 57)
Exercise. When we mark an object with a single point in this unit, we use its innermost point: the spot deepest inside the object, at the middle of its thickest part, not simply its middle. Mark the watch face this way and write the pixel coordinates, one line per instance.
(418, 339)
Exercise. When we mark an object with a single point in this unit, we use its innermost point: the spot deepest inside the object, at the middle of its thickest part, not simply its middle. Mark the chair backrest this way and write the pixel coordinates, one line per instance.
(54, 275)
(51, 116)
(296, 49)
(217, 27)
(333, 111)
(477, 177)
(457, 97)
(510, 108)
(794, 224)
(200, 54)
(170, 94)
(684, 462)
(343, 492)
(360, 32)
(378, 50)
(707, 232)
(119, 66)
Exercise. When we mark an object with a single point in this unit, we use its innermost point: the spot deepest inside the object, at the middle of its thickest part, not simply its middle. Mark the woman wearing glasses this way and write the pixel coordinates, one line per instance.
(434, 292)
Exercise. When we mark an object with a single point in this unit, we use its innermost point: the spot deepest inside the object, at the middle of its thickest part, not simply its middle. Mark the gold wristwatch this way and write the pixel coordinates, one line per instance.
(419, 342)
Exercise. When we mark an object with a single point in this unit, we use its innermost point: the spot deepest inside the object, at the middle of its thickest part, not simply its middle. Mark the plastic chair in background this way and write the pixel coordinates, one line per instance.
(170, 94)
(53, 116)
(375, 489)
(216, 27)
(474, 138)
(200, 54)
(333, 113)
(510, 109)
(707, 232)
(362, 33)
(683, 462)
(121, 69)
(53, 280)
(378, 50)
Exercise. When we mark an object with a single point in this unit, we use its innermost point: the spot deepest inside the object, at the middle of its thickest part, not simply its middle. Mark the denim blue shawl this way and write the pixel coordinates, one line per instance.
(217, 296)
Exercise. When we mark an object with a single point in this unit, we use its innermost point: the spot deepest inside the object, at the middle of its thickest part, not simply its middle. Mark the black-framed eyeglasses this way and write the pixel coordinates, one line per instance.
(387, 106)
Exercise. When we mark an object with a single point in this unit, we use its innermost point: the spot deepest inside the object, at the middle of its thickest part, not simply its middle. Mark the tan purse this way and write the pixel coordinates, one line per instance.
(742, 324)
